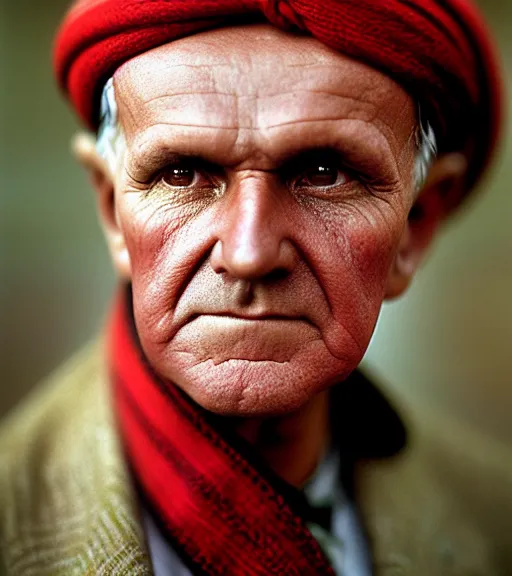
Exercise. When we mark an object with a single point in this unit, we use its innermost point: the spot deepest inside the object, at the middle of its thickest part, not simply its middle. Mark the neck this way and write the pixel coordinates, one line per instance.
(291, 445)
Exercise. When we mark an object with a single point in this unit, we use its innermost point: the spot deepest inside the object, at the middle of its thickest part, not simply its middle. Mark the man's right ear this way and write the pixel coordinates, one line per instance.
(102, 179)
(443, 185)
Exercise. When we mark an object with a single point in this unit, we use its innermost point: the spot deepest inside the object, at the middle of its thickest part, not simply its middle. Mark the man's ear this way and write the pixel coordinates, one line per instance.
(102, 179)
(444, 182)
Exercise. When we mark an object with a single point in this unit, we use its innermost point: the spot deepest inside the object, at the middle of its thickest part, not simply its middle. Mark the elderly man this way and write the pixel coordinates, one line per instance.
(267, 173)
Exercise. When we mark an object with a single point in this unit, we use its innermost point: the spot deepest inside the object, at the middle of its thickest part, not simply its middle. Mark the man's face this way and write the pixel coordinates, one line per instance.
(264, 192)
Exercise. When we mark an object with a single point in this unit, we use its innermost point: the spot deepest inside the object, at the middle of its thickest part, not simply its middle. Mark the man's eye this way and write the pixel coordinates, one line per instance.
(180, 176)
(322, 175)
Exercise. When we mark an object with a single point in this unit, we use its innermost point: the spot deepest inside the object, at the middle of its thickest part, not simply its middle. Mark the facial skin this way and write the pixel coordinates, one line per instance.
(261, 212)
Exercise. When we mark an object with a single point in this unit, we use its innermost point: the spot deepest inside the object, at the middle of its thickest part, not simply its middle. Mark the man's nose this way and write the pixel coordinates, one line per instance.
(253, 240)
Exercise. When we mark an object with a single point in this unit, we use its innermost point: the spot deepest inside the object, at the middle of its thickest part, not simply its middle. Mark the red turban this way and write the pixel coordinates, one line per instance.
(438, 50)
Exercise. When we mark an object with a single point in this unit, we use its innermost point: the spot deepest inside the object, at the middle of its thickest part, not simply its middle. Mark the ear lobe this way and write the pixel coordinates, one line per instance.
(102, 180)
(431, 207)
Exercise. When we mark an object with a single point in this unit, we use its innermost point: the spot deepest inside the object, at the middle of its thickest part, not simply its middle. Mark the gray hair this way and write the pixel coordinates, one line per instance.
(426, 146)
(110, 141)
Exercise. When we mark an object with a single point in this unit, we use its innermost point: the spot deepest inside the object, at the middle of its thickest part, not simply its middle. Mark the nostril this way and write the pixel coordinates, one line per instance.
(217, 260)
(277, 275)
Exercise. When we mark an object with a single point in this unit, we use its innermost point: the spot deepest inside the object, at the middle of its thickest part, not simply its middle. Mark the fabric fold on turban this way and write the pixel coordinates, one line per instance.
(439, 50)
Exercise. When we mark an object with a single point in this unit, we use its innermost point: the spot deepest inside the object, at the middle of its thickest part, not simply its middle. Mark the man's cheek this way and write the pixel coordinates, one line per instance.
(372, 254)
(358, 245)
(164, 252)
(149, 232)
(356, 286)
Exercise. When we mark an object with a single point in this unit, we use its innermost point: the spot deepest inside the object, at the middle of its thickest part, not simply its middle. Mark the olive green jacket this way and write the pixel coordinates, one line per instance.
(441, 508)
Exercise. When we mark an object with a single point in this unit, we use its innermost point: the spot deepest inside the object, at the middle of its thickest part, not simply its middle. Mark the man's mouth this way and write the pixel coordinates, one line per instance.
(259, 337)
(250, 316)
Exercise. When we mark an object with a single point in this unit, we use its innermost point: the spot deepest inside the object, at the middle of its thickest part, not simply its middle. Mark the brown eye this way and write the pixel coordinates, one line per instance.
(322, 175)
(180, 176)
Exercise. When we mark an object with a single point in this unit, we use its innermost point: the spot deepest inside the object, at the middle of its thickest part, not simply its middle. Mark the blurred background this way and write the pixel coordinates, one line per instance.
(446, 345)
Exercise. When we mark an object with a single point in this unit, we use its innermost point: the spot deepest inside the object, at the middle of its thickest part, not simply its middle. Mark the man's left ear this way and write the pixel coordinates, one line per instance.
(444, 183)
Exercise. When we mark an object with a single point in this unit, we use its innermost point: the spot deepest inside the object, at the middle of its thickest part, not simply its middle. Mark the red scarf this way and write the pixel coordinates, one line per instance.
(220, 513)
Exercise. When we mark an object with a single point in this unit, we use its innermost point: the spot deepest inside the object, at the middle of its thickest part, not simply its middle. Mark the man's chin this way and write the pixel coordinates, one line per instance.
(256, 388)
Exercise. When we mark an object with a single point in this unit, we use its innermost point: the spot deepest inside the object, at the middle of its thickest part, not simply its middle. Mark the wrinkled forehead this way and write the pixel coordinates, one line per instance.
(255, 76)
